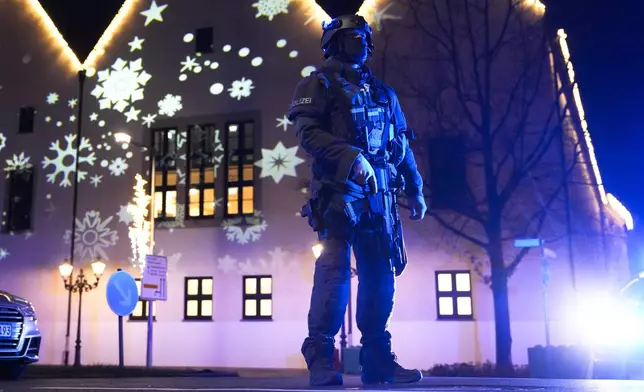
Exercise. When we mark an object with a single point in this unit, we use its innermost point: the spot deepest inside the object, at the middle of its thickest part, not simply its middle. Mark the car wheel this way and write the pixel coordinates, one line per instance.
(11, 371)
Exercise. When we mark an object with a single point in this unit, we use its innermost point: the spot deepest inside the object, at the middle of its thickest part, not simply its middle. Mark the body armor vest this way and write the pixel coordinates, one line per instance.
(366, 114)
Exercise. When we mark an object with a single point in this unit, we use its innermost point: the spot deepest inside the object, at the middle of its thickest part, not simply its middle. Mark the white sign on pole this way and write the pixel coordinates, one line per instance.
(527, 243)
(154, 279)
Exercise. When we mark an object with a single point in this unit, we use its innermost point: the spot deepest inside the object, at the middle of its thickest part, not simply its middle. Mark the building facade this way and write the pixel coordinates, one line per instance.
(204, 97)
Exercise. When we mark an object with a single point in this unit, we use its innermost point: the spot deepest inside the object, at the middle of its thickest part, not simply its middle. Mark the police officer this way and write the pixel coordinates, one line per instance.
(352, 125)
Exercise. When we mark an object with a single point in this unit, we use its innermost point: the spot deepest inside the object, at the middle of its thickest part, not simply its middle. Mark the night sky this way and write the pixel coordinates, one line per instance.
(606, 39)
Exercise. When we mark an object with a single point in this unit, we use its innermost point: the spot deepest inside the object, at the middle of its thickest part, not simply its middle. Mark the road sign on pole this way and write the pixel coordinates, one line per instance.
(122, 293)
(154, 279)
(122, 297)
(528, 243)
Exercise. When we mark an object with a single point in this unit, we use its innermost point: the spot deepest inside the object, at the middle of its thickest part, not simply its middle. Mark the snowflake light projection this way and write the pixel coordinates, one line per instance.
(93, 236)
(121, 85)
(278, 261)
(170, 105)
(279, 162)
(124, 215)
(118, 166)
(17, 163)
(52, 98)
(3, 141)
(245, 229)
(65, 160)
(140, 230)
(3, 254)
(241, 88)
(271, 8)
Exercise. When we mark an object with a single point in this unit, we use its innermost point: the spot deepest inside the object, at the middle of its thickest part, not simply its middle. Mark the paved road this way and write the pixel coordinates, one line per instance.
(299, 384)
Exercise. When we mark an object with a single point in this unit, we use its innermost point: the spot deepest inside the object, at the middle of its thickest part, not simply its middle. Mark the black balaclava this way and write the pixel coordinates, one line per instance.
(353, 47)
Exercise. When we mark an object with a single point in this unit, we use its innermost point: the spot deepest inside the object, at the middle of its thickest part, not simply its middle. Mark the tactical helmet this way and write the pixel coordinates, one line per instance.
(344, 22)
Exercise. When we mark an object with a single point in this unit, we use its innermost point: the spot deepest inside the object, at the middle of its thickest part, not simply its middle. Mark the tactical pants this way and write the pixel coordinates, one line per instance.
(331, 285)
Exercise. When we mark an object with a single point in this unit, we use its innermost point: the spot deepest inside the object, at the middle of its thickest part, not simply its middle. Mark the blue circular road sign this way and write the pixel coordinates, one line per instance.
(122, 293)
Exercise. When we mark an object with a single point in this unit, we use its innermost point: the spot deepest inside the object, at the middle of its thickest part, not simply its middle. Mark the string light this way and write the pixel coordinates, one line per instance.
(36, 9)
(139, 231)
(316, 14)
(616, 206)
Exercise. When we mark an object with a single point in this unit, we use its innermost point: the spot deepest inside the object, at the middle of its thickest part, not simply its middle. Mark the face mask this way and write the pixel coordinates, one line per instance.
(355, 49)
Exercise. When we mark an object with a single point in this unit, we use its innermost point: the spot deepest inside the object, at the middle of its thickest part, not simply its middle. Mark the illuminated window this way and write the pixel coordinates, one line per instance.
(26, 119)
(140, 313)
(258, 297)
(240, 152)
(454, 295)
(165, 179)
(20, 197)
(198, 299)
(200, 185)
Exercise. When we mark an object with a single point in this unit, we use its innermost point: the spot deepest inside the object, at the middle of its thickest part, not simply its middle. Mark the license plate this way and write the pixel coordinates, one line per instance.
(5, 331)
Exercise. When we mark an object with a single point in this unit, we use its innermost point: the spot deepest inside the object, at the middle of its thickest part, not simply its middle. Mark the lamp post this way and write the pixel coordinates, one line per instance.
(82, 75)
(122, 137)
(80, 285)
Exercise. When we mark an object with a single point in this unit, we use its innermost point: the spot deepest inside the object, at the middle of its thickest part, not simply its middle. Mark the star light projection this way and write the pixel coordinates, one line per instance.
(279, 162)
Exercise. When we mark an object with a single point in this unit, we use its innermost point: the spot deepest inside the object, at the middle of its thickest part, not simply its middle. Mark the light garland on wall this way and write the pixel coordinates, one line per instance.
(315, 13)
(35, 8)
(139, 231)
(606, 198)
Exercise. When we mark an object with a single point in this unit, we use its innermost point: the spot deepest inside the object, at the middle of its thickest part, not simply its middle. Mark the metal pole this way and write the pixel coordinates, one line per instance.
(80, 286)
(69, 317)
(81, 86)
(121, 360)
(350, 311)
(148, 359)
(545, 272)
(152, 159)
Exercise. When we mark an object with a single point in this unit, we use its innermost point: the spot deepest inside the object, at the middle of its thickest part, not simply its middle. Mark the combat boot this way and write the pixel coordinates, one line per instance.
(380, 366)
(321, 364)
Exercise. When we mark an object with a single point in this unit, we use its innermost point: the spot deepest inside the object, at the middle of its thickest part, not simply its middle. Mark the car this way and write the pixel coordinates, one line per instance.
(19, 336)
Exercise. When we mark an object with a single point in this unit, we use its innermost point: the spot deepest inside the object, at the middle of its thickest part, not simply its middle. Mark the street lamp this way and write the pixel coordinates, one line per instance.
(80, 285)
(317, 250)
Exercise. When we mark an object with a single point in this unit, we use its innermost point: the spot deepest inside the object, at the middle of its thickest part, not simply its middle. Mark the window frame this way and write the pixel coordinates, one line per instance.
(453, 295)
(26, 120)
(201, 31)
(198, 297)
(448, 182)
(242, 150)
(160, 167)
(7, 227)
(144, 307)
(208, 154)
(257, 297)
